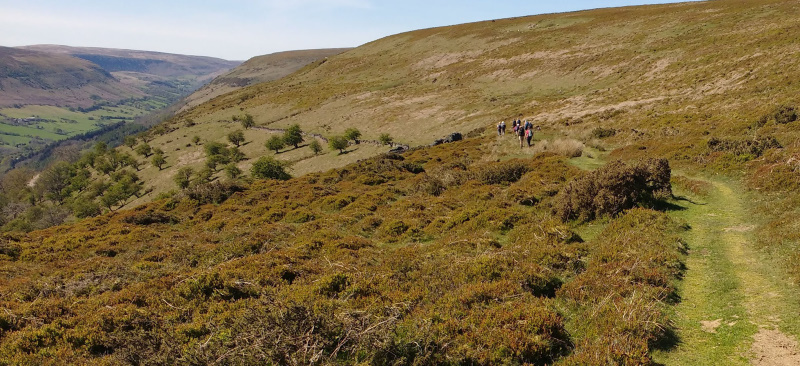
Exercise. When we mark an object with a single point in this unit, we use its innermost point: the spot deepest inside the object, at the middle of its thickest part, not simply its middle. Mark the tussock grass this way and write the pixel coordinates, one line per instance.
(566, 147)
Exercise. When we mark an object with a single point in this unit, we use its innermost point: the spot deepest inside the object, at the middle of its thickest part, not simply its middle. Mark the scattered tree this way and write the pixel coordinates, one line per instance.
(352, 134)
(247, 121)
(158, 161)
(215, 148)
(386, 139)
(276, 143)
(204, 175)
(55, 181)
(267, 167)
(196, 139)
(102, 165)
(100, 147)
(315, 146)
(232, 171)
(129, 141)
(293, 135)
(144, 149)
(236, 137)
(338, 143)
(183, 177)
(235, 155)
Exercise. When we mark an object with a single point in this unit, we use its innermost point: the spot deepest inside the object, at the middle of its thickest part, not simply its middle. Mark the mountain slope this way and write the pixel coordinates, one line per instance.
(664, 76)
(457, 253)
(726, 56)
(158, 74)
(61, 92)
(258, 70)
(31, 77)
(156, 63)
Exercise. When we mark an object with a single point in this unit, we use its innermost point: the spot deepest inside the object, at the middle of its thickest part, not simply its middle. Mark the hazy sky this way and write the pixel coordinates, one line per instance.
(240, 29)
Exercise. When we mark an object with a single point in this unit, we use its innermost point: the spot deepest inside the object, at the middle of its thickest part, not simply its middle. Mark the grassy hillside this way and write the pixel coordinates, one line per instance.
(656, 69)
(148, 62)
(258, 70)
(30, 77)
(50, 93)
(476, 252)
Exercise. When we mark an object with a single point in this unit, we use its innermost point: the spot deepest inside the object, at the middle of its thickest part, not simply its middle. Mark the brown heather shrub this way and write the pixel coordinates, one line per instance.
(748, 148)
(215, 192)
(625, 288)
(699, 188)
(325, 269)
(614, 188)
(299, 216)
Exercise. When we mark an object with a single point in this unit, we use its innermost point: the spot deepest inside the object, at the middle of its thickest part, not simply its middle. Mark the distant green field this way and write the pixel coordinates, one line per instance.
(59, 123)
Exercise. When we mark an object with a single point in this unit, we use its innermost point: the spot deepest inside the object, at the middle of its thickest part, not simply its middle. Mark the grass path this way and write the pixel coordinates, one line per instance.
(735, 306)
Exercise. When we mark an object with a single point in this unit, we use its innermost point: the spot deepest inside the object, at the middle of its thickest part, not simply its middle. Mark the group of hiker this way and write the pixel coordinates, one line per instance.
(523, 130)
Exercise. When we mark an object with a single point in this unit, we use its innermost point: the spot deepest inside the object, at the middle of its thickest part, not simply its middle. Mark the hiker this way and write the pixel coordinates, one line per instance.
(503, 127)
(499, 128)
(529, 135)
(521, 135)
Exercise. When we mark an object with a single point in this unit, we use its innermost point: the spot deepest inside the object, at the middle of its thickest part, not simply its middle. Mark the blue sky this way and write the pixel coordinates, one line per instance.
(240, 29)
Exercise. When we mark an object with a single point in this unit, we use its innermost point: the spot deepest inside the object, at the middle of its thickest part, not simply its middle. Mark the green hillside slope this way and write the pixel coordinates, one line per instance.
(258, 70)
(50, 93)
(712, 61)
(30, 77)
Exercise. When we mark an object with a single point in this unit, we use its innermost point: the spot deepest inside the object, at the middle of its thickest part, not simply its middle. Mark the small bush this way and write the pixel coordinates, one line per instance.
(214, 192)
(784, 114)
(150, 217)
(614, 188)
(753, 148)
(499, 173)
(601, 133)
(267, 167)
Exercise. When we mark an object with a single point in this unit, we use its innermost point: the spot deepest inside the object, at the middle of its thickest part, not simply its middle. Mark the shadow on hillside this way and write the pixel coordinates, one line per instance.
(343, 152)
(687, 199)
(667, 206)
(667, 341)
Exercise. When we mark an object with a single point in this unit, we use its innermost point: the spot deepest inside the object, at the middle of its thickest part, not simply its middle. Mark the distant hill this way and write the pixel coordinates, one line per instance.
(51, 93)
(33, 77)
(258, 70)
(156, 73)
(155, 63)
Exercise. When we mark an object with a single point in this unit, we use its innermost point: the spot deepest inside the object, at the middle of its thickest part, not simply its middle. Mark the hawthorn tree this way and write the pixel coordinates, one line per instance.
(315, 146)
(236, 137)
(275, 143)
(352, 134)
(293, 135)
(247, 121)
(158, 161)
(338, 143)
(386, 139)
(183, 177)
(144, 149)
(267, 167)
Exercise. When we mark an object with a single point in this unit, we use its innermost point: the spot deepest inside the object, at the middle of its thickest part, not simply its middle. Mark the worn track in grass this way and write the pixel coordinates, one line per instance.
(735, 308)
